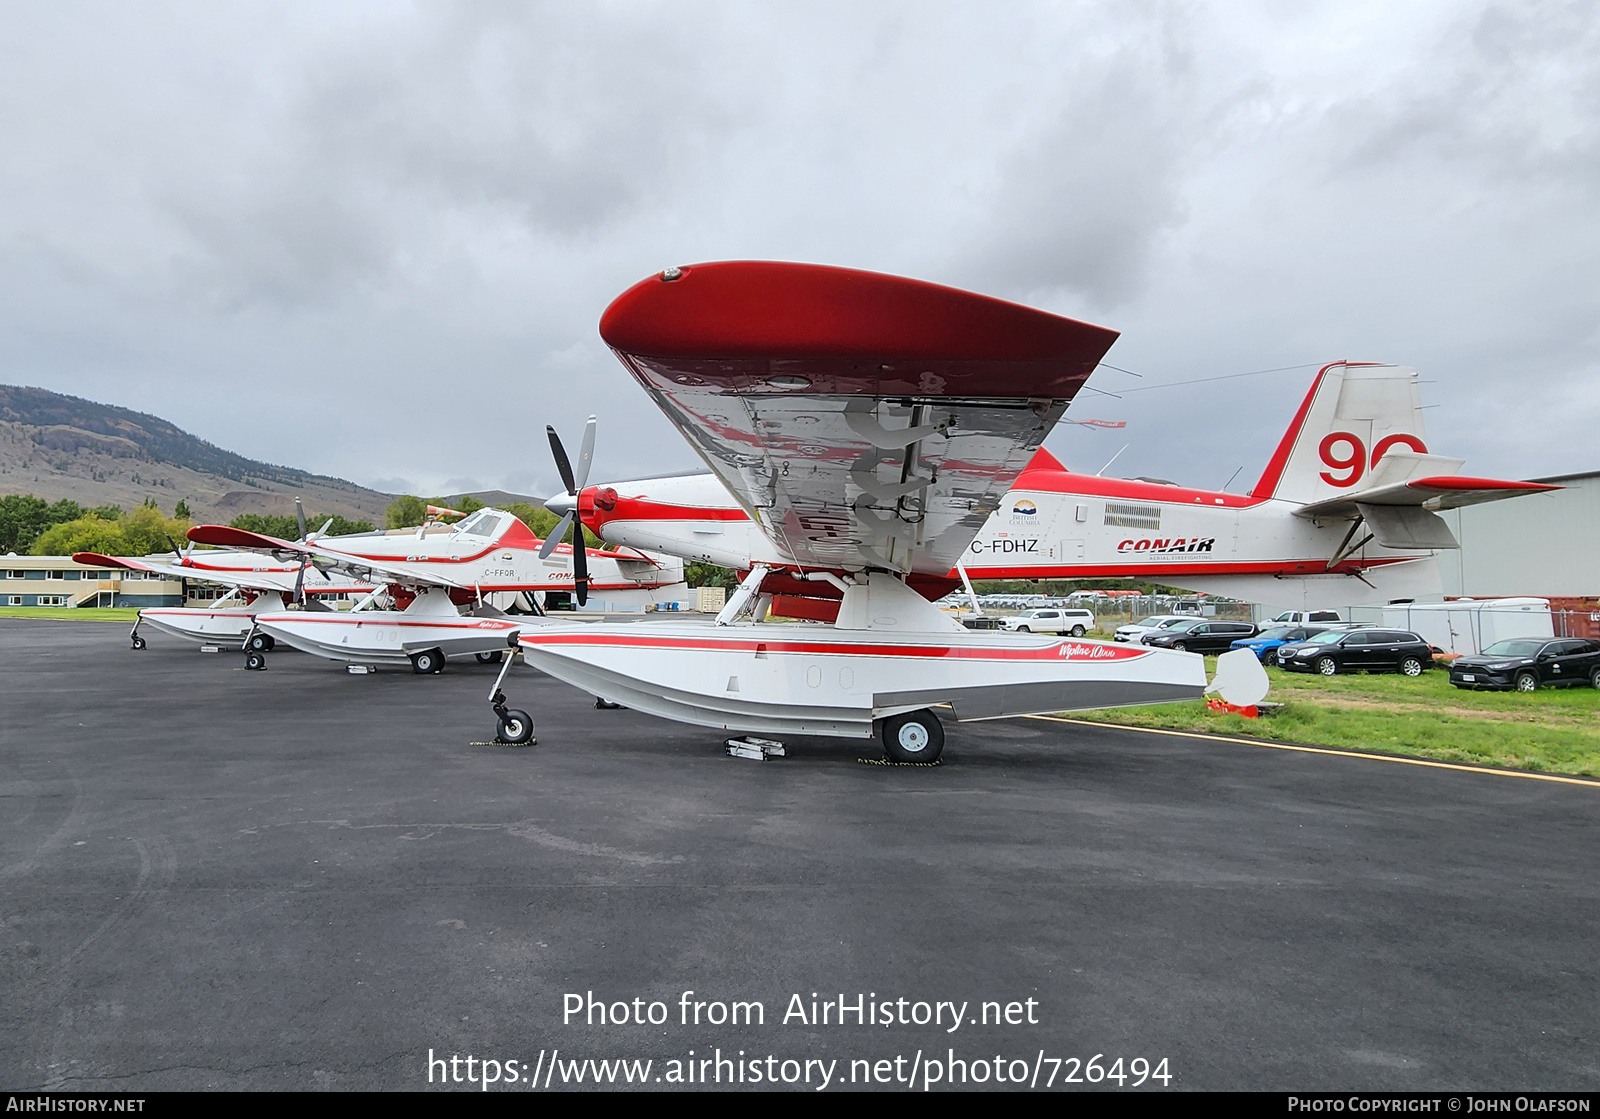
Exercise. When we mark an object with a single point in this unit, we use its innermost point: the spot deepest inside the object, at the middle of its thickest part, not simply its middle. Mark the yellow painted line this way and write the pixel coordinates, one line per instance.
(1326, 750)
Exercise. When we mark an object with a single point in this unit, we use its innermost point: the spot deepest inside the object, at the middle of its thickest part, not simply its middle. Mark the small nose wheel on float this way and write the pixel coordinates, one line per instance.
(515, 727)
(133, 634)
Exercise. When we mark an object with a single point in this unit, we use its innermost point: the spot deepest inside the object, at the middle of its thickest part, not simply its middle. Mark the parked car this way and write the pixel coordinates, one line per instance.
(1075, 622)
(1358, 650)
(1305, 617)
(1134, 631)
(1265, 645)
(1207, 636)
(1529, 663)
(1178, 625)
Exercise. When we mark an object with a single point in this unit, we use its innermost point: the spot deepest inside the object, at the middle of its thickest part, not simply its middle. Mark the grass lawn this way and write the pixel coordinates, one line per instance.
(1553, 730)
(68, 614)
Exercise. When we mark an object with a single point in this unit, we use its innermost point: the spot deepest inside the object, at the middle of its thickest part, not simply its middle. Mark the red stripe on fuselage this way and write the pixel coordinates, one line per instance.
(1052, 652)
(1138, 570)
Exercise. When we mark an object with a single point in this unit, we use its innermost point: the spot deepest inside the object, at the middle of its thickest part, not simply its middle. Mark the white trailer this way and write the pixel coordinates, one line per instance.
(1469, 625)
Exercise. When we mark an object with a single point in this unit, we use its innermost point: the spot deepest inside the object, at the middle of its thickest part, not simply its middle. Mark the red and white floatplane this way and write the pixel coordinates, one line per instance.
(867, 426)
(257, 584)
(450, 586)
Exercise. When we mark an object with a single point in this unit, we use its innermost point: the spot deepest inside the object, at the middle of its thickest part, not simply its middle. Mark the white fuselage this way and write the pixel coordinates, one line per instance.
(493, 552)
(1057, 525)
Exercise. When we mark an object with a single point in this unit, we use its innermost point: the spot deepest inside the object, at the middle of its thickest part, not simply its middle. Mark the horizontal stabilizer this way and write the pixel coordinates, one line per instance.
(227, 537)
(1447, 492)
(95, 559)
(1407, 526)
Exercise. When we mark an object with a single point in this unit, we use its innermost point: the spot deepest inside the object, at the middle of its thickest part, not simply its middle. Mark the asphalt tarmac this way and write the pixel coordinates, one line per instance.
(298, 878)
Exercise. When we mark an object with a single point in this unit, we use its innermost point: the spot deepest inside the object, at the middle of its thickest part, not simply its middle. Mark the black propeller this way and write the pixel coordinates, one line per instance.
(300, 519)
(574, 484)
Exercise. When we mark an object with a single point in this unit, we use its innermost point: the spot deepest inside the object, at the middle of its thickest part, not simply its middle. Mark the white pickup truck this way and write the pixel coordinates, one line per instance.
(1075, 622)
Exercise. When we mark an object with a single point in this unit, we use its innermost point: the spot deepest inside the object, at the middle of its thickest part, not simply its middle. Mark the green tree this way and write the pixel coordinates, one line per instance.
(86, 534)
(285, 527)
(181, 512)
(406, 511)
(23, 518)
(106, 512)
(141, 532)
(709, 575)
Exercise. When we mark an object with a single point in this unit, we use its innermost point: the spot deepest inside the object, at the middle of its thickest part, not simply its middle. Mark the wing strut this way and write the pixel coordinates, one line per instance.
(751, 584)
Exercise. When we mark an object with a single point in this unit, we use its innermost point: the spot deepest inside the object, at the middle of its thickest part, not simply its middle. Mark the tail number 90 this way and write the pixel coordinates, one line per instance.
(1346, 454)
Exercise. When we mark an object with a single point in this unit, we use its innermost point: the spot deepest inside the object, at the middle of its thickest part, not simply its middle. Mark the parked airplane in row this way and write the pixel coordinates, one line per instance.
(861, 429)
(428, 593)
(450, 584)
(256, 583)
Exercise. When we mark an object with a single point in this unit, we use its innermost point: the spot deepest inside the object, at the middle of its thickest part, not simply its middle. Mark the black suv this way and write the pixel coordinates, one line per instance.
(1356, 650)
(1526, 663)
(1200, 637)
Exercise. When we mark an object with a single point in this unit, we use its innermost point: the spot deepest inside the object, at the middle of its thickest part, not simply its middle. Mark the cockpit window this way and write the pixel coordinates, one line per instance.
(482, 523)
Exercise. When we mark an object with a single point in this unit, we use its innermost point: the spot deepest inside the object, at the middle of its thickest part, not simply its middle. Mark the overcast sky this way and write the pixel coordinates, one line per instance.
(375, 240)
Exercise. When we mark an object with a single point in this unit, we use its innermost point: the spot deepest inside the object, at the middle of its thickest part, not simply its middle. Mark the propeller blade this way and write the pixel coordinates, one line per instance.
(300, 583)
(173, 544)
(586, 455)
(300, 518)
(580, 564)
(326, 525)
(555, 536)
(563, 467)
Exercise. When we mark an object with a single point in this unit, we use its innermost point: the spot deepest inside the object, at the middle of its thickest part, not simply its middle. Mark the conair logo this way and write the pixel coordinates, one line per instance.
(1181, 544)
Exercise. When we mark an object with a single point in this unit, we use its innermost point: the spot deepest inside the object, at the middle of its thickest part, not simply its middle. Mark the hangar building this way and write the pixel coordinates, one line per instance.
(1545, 545)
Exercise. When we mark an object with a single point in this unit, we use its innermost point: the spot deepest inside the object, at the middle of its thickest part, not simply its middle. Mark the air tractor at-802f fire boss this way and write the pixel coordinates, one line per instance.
(1344, 514)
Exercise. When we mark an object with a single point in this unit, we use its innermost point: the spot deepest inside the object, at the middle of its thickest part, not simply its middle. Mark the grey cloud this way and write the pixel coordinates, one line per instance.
(1084, 198)
(376, 241)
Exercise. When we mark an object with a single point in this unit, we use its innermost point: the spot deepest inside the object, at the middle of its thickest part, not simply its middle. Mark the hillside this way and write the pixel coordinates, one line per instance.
(56, 446)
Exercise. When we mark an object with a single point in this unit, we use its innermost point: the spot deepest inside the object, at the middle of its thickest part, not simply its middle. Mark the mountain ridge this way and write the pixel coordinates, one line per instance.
(58, 446)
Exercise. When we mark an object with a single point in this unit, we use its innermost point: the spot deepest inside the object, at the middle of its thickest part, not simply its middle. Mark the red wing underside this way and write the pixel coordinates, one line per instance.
(862, 420)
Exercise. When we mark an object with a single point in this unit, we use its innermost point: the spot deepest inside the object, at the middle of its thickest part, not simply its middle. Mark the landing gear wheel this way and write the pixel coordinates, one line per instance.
(606, 705)
(491, 656)
(1527, 682)
(138, 643)
(1078, 631)
(255, 662)
(262, 643)
(429, 662)
(1411, 666)
(915, 736)
(1328, 666)
(516, 727)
